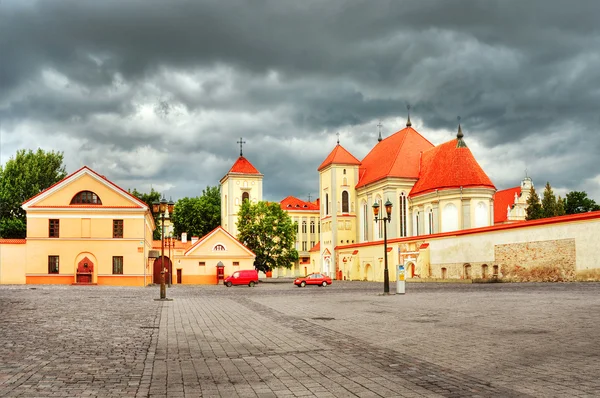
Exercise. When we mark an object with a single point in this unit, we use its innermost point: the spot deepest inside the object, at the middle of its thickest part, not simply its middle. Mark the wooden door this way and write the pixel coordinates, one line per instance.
(179, 276)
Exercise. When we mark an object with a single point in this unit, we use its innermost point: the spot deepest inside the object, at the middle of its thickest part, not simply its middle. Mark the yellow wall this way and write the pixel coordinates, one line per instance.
(12, 263)
(87, 232)
(193, 273)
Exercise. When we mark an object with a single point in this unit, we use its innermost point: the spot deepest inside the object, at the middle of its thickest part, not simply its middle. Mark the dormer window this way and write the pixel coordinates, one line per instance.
(86, 198)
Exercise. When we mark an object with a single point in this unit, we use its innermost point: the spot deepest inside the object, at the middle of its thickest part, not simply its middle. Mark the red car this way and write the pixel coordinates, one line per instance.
(313, 279)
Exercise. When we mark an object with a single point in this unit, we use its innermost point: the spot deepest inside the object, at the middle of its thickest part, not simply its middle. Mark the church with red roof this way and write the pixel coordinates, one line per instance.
(432, 189)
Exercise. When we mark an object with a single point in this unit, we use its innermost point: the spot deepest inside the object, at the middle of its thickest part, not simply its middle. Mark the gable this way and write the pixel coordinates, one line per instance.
(221, 244)
(61, 193)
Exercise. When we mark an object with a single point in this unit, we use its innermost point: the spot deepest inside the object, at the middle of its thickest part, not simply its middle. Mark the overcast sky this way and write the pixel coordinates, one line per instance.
(156, 93)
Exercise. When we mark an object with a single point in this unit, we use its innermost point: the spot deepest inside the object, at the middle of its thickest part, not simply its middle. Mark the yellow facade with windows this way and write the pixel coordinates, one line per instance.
(85, 229)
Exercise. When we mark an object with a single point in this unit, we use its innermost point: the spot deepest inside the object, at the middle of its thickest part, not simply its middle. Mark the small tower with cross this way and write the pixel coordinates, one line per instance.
(243, 182)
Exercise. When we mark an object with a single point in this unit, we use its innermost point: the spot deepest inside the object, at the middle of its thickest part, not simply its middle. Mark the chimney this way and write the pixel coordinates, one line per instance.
(194, 239)
(184, 237)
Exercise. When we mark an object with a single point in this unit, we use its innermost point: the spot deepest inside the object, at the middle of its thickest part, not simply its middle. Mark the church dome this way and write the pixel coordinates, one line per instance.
(448, 166)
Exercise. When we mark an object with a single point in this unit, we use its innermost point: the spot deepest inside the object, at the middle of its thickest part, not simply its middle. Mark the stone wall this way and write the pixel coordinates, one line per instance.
(538, 261)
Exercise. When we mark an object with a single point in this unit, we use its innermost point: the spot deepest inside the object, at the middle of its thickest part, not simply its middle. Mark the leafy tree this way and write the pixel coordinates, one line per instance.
(560, 207)
(270, 233)
(548, 202)
(148, 198)
(200, 215)
(578, 202)
(21, 178)
(534, 208)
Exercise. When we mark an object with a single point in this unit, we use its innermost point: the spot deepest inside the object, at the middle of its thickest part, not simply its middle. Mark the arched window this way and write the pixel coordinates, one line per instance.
(245, 196)
(344, 171)
(219, 247)
(450, 218)
(481, 216)
(365, 221)
(402, 213)
(417, 223)
(303, 227)
(378, 224)
(430, 221)
(86, 198)
(312, 227)
(345, 207)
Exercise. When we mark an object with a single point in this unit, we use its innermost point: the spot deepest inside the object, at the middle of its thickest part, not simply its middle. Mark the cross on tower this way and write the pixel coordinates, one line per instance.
(241, 142)
(309, 196)
(379, 125)
(338, 138)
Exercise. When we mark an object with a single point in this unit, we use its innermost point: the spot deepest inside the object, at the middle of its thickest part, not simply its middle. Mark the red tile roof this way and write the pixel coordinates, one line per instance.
(292, 203)
(243, 166)
(448, 166)
(316, 248)
(4, 241)
(157, 244)
(339, 155)
(503, 199)
(396, 156)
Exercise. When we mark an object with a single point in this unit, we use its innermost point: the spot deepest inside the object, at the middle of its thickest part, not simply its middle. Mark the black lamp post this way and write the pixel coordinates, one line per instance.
(388, 218)
(161, 207)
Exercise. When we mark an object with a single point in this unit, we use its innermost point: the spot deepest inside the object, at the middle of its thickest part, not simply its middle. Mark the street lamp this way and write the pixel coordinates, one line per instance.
(388, 210)
(161, 207)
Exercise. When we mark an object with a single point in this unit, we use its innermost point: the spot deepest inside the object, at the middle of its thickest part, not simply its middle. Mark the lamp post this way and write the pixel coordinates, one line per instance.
(161, 207)
(388, 218)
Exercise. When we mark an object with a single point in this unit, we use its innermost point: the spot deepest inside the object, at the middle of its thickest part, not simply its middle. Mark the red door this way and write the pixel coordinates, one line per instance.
(158, 264)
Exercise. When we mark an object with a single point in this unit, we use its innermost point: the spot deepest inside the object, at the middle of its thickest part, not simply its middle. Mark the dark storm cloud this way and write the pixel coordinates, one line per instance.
(178, 82)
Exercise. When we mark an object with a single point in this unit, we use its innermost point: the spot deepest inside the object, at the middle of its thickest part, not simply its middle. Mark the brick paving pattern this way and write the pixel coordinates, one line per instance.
(276, 340)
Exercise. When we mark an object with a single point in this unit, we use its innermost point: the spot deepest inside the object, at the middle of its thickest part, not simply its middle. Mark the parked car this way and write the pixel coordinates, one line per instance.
(244, 277)
(313, 279)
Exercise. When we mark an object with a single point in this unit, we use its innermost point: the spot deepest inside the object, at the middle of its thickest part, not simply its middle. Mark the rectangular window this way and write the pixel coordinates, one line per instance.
(53, 264)
(312, 244)
(118, 265)
(201, 263)
(117, 228)
(236, 263)
(304, 246)
(53, 228)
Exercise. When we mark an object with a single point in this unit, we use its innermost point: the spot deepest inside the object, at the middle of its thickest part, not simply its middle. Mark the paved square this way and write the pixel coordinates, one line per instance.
(276, 340)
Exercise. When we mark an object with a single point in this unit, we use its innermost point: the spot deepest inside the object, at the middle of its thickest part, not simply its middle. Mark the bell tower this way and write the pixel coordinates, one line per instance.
(242, 182)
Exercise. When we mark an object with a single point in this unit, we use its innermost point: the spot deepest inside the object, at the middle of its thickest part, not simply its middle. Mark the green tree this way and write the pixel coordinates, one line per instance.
(578, 202)
(270, 233)
(200, 215)
(548, 202)
(148, 198)
(21, 178)
(560, 206)
(534, 208)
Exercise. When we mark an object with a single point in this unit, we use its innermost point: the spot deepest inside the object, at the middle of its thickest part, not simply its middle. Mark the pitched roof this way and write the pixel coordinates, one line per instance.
(503, 199)
(292, 203)
(316, 248)
(449, 165)
(85, 170)
(243, 166)
(211, 233)
(339, 155)
(395, 156)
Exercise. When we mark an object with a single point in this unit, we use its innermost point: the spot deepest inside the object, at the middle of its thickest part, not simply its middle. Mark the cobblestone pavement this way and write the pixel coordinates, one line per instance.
(276, 340)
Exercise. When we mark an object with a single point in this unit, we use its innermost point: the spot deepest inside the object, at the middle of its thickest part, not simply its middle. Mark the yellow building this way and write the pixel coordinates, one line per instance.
(85, 229)
(242, 182)
(197, 261)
